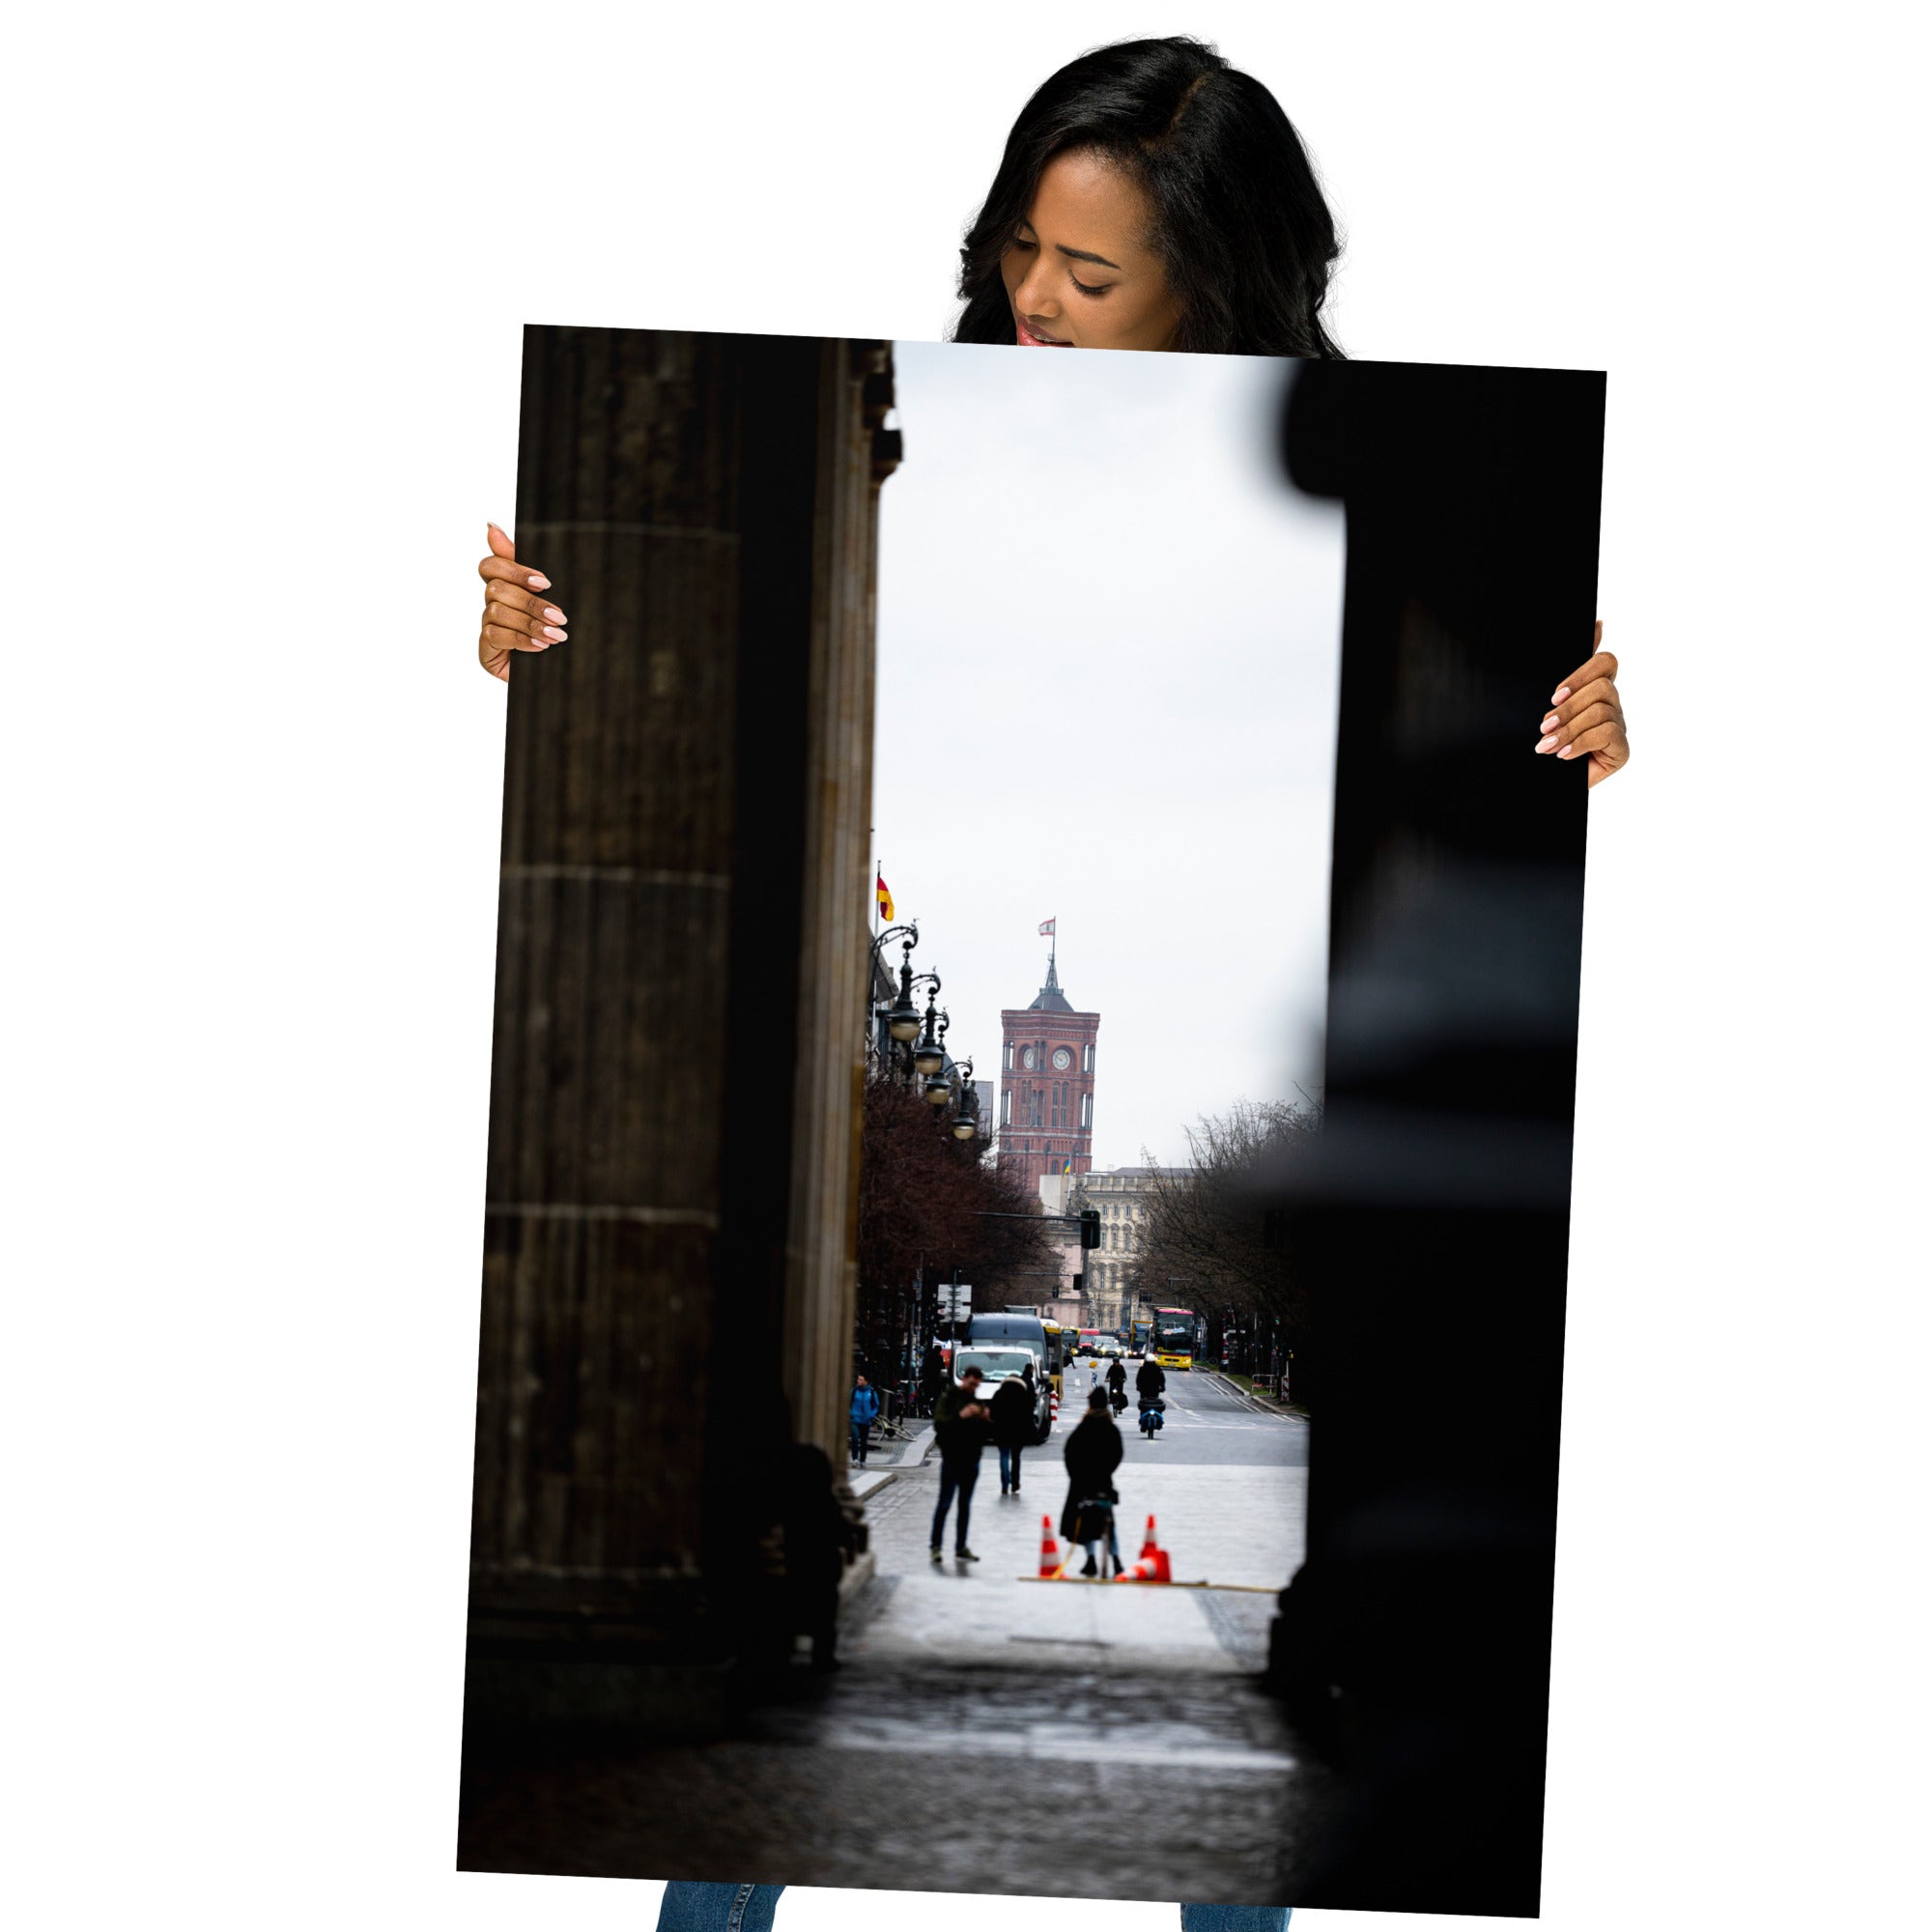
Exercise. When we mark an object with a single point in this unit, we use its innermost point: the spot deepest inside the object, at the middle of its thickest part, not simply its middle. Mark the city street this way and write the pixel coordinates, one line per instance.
(992, 1732)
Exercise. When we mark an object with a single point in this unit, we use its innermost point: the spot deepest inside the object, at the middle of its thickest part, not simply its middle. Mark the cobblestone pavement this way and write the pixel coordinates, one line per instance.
(992, 1733)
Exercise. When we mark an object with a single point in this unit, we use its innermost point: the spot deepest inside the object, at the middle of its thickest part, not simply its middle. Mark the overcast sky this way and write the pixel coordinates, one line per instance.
(1109, 641)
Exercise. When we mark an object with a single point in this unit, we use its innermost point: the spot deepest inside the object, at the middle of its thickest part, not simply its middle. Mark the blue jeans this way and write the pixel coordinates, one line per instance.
(749, 1908)
(1009, 1467)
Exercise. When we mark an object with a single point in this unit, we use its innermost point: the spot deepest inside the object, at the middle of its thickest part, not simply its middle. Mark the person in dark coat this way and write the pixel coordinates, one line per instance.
(818, 1538)
(931, 1376)
(961, 1421)
(1093, 1454)
(1150, 1382)
(1013, 1418)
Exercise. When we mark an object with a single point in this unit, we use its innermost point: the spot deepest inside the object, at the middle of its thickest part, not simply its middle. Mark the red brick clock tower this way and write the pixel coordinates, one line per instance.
(1047, 1085)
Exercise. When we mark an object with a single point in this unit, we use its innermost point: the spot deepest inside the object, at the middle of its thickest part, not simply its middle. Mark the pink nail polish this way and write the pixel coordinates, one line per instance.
(1548, 744)
(1550, 723)
(553, 633)
(556, 616)
(1560, 696)
(1567, 751)
(539, 583)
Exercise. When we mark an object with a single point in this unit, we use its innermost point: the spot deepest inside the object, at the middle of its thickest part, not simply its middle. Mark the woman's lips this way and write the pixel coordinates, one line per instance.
(1029, 338)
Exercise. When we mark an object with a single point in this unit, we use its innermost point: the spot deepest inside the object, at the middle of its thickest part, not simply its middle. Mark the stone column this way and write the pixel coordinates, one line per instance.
(672, 1178)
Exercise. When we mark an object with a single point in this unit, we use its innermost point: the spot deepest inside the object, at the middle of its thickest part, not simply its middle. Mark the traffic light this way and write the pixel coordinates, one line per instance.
(1079, 1284)
(1089, 1227)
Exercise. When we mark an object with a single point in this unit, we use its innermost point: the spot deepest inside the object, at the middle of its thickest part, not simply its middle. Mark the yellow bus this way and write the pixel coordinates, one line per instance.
(1176, 1333)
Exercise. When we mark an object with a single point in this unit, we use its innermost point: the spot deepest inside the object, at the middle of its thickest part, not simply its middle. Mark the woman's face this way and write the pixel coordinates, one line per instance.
(1078, 272)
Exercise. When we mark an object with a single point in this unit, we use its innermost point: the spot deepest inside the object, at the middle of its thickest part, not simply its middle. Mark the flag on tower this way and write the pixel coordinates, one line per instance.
(885, 901)
(1046, 928)
(1069, 1168)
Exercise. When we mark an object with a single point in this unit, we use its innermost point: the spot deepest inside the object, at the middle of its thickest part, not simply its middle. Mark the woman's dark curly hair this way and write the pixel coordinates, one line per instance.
(1241, 227)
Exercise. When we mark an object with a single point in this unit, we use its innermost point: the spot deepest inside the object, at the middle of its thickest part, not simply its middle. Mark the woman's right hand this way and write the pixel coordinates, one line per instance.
(515, 618)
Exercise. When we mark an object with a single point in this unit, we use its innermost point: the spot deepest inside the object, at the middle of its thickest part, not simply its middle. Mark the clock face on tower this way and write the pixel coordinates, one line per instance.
(1026, 1056)
(1062, 1059)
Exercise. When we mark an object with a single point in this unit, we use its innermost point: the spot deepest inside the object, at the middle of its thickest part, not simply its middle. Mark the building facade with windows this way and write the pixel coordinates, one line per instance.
(1122, 1197)
(1047, 1055)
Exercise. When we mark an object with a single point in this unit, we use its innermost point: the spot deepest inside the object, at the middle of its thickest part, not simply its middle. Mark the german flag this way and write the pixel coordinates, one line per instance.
(885, 901)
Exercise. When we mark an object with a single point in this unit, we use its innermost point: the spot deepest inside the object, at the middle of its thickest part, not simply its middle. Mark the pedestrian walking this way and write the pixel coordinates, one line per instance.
(864, 1412)
(1013, 1411)
(1092, 1455)
(961, 1422)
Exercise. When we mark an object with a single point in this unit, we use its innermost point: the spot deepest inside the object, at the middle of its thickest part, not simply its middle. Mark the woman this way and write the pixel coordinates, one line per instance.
(1092, 1455)
(1149, 197)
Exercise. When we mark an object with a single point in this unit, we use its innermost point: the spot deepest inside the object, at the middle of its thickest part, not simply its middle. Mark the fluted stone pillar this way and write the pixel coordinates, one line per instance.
(668, 1255)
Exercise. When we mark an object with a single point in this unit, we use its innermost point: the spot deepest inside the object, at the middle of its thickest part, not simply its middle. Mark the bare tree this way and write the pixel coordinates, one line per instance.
(1210, 1224)
(928, 1200)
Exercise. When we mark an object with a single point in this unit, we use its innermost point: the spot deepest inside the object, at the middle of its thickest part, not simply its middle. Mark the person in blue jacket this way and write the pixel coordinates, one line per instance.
(864, 1412)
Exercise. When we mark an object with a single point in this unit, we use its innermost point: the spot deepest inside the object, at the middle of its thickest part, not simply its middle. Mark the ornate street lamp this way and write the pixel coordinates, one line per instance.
(902, 1016)
(929, 1057)
(966, 1122)
(938, 1088)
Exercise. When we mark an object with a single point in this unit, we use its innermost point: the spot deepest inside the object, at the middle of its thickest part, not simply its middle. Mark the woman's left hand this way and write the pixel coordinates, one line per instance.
(1586, 716)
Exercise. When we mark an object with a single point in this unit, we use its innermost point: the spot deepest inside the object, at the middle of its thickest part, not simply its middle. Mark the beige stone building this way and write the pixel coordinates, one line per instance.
(1121, 1196)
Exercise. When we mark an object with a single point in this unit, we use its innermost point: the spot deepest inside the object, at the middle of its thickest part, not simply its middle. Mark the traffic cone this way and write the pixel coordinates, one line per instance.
(1152, 1566)
(1050, 1564)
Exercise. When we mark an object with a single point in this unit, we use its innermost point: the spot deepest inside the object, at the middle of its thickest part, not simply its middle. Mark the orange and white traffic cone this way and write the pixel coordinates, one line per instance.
(1050, 1563)
(1148, 1546)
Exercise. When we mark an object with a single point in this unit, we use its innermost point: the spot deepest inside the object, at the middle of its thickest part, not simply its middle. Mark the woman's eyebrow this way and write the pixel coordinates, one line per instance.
(1087, 255)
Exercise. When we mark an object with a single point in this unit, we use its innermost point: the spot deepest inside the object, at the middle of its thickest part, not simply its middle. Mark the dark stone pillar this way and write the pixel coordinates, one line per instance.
(667, 1242)
(1432, 1219)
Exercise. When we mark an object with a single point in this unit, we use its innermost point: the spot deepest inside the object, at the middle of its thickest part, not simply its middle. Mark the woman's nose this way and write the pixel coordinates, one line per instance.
(1032, 296)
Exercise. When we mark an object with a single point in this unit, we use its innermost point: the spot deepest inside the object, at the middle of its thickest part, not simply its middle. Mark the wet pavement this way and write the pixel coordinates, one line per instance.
(990, 1731)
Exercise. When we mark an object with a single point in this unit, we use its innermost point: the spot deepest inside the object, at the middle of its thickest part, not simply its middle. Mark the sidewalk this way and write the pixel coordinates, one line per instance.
(889, 1454)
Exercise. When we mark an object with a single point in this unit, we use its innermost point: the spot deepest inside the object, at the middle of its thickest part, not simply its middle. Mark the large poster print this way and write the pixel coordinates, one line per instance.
(1027, 1179)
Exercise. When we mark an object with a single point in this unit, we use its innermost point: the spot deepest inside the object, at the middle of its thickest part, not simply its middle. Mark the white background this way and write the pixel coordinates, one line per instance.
(268, 270)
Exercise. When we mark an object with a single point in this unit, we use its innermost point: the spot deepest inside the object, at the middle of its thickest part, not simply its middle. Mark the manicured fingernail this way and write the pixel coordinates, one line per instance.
(556, 616)
(1548, 744)
(538, 582)
(538, 644)
(498, 527)
(553, 633)
(1550, 723)
(1567, 751)
(1560, 696)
